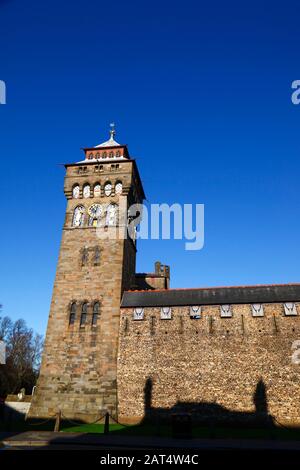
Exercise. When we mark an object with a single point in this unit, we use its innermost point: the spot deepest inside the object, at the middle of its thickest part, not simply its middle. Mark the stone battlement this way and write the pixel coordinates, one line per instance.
(212, 319)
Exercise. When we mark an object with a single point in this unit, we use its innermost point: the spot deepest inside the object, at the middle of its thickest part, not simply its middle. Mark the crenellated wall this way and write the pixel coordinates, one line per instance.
(238, 367)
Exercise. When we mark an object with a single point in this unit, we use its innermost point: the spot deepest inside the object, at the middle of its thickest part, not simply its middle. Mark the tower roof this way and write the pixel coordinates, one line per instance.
(109, 150)
(111, 141)
(212, 296)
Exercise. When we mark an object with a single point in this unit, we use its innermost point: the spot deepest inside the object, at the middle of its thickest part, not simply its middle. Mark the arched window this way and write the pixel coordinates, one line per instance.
(83, 314)
(111, 154)
(107, 188)
(118, 153)
(104, 155)
(72, 317)
(76, 191)
(111, 215)
(96, 311)
(84, 256)
(78, 217)
(118, 187)
(97, 190)
(97, 256)
(86, 191)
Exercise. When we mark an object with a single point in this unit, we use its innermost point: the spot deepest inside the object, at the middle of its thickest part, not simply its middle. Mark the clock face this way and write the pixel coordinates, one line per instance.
(107, 189)
(76, 192)
(95, 211)
(86, 191)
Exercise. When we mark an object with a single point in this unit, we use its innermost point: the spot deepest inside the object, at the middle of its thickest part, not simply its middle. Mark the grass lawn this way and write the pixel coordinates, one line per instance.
(198, 431)
(130, 430)
(163, 430)
(91, 428)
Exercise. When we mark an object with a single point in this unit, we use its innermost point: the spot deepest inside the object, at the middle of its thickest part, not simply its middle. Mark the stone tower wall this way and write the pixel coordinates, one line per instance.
(79, 364)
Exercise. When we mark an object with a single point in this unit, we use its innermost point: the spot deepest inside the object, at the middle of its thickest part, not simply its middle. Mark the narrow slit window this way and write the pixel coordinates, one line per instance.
(83, 314)
(96, 311)
(84, 257)
(97, 256)
(72, 317)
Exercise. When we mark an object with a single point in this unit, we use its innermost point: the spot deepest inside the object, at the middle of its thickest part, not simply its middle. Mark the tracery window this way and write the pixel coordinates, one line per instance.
(111, 215)
(78, 217)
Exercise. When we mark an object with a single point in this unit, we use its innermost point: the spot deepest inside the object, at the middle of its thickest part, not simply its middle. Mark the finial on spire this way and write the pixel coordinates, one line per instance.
(112, 130)
(111, 141)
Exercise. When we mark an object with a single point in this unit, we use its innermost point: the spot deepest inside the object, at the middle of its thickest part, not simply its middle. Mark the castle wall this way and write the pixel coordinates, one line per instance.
(151, 281)
(211, 365)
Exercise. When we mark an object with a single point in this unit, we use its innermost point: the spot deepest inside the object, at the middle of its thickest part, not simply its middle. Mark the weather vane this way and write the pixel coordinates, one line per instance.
(112, 130)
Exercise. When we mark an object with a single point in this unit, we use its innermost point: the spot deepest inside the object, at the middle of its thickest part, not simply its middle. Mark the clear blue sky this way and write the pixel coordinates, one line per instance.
(200, 91)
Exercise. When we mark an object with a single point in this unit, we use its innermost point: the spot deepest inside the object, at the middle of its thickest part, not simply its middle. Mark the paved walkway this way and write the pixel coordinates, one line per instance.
(47, 438)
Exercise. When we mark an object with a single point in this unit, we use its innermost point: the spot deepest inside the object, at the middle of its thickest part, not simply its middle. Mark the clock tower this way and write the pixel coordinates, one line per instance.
(96, 264)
